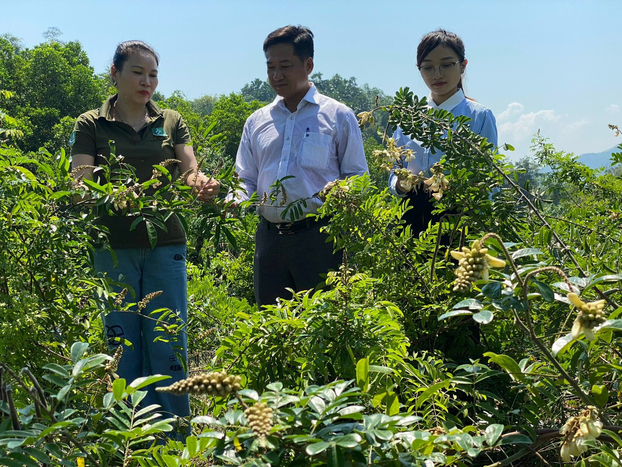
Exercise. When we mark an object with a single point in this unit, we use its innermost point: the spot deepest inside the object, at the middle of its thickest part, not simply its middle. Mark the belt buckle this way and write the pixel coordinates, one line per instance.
(284, 228)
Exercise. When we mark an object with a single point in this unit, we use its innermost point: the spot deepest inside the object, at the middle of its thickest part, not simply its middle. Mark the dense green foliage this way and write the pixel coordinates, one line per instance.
(391, 364)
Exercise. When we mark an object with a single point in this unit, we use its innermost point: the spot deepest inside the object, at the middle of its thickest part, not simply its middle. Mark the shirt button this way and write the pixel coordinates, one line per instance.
(288, 138)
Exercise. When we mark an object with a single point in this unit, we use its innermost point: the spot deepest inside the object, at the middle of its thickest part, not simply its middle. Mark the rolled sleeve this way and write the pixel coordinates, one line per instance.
(182, 134)
(84, 137)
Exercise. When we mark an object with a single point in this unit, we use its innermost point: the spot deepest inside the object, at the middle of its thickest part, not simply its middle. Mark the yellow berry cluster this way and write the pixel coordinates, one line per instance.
(590, 315)
(473, 264)
(213, 384)
(259, 418)
(577, 430)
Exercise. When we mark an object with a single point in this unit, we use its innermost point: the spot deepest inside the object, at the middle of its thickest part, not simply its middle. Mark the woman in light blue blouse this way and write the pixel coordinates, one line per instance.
(441, 61)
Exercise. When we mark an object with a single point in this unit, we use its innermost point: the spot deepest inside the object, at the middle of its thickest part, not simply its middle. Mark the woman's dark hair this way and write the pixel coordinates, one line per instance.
(442, 38)
(125, 49)
(299, 36)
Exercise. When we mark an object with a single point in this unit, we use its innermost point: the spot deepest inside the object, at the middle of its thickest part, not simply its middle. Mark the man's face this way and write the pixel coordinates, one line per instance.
(288, 74)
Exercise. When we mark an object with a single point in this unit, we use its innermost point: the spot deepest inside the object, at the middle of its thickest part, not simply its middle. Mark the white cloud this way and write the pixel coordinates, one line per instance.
(612, 109)
(513, 109)
(566, 132)
(527, 124)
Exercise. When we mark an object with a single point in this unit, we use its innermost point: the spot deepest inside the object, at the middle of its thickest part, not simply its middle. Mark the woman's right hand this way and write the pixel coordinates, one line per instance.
(209, 190)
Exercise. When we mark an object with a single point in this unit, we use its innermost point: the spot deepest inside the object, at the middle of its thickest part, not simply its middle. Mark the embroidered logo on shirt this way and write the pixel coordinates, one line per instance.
(158, 131)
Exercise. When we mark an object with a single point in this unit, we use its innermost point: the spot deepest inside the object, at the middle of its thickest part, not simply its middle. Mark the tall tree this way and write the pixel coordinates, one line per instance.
(204, 105)
(49, 82)
(230, 113)
(258, 90)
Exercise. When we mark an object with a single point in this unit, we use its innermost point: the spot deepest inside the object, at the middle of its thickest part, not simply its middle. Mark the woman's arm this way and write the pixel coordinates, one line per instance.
(78, 160)
(208, 188)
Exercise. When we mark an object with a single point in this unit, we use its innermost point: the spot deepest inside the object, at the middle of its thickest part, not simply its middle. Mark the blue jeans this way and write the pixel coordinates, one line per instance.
(148, 270)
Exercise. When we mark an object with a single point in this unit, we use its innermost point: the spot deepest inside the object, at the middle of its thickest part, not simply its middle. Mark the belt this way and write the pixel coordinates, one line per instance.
(290, 228)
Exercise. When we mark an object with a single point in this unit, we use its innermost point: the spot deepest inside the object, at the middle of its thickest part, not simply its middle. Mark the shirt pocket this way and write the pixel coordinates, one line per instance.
(315, 151)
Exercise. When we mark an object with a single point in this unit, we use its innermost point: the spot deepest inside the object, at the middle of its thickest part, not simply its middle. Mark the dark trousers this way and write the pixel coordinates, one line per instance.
(284, 260)
(420, 213)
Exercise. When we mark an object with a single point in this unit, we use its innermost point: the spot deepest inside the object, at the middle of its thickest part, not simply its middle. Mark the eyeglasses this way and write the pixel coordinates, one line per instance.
(428, 71)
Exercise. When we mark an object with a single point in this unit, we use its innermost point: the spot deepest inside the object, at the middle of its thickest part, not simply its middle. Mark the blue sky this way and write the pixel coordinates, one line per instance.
(538, 64)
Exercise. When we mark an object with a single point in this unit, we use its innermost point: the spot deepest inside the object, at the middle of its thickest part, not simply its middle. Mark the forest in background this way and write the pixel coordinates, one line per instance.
(411, 357)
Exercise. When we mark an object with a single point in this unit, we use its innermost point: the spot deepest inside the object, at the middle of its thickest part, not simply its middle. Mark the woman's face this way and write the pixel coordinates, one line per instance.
(441, 71)
(138, 78)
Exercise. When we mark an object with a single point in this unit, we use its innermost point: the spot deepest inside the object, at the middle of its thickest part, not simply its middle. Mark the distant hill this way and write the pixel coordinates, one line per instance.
(598, 159)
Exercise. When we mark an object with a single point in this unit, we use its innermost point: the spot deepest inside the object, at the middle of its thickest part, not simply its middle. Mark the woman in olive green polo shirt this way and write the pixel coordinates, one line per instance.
(145, 135)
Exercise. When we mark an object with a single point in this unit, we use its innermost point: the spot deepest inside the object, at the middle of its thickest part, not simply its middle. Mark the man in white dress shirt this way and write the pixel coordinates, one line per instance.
(306, 136)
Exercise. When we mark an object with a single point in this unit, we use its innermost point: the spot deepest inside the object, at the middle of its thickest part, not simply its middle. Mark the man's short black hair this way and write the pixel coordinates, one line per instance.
(299, 36)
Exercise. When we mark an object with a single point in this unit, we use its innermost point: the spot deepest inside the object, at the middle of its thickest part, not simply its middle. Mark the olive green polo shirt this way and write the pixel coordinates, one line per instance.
(155, 142)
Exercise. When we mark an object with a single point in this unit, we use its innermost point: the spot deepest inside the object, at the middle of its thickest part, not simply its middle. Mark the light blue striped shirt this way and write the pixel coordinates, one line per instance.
(482, 122)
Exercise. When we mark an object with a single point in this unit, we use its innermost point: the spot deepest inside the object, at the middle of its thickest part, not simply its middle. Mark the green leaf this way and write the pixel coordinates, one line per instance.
(453, 313)
(276, 387)
(508, 364)
(381, 369)
(546, 292)
(206, 420)
(393, 404)
(140, 383)
(483, 317)
(601, 394)
(349, 441)
(230, 237)
(118, 389)
(470, 303)
(94, 186)
(492, 290)
(362, 374)
(492, 433)
(316, 448)
(525, 252)
(192, 445)
(77, 350)
(604, 278)
(152, 234)
(335, 457)
(351, 409)
(317, 404)
(56, 368)
(137, 397)
(429, 392)
(53, 428)
(37, 454)
(516, 439)
(561, 344)
(26, 461)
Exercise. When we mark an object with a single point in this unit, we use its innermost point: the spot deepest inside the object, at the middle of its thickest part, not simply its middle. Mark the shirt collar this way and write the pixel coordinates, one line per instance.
(450, 103)
(106, 110)
(311, 96)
